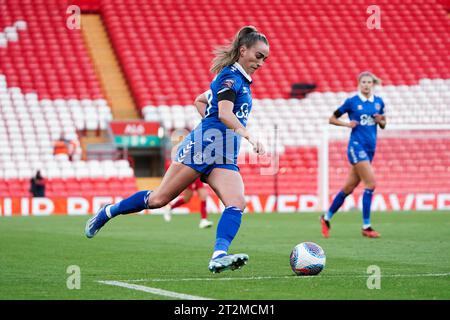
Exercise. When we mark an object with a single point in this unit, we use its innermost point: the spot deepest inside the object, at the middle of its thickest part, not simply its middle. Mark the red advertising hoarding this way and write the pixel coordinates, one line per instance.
(255, 204)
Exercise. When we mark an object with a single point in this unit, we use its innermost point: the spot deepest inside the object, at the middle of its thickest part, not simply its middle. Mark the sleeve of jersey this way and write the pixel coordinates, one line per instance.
(346, 107)
(228, 86)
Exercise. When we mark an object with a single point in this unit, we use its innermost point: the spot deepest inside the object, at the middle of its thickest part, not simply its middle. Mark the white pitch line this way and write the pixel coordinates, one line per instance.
(160, 292)
(417, 275)
(291, 277)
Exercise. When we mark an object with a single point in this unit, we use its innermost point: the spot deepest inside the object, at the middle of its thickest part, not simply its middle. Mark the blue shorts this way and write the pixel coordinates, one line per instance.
(195, 156)
(356, 153)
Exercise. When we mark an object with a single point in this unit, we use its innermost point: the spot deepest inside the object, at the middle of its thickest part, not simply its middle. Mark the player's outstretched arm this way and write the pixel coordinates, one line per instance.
(227, 116)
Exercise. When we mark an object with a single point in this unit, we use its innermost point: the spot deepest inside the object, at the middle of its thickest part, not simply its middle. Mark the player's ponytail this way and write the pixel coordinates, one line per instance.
(229, 54)
(375, 79)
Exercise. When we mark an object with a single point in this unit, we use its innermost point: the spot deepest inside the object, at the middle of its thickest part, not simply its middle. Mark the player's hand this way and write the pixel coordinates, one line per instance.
(378, 118)
(353, 124)
(258, 147)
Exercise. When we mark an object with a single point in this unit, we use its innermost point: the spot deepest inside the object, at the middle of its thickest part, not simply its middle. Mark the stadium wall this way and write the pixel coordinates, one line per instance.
(75, 206)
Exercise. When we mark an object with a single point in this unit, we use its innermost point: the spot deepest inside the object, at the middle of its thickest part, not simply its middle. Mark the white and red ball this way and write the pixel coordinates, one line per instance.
(307, 259)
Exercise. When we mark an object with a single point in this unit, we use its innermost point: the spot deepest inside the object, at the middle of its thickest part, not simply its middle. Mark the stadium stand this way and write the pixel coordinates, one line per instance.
(165, 51)
(48, 87)
(165, 46)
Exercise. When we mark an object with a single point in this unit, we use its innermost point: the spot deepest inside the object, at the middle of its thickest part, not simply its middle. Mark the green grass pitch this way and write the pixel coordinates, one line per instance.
(413, 256)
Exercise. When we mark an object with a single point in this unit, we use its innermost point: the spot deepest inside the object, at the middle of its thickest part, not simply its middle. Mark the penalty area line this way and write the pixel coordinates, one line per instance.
(156, 291)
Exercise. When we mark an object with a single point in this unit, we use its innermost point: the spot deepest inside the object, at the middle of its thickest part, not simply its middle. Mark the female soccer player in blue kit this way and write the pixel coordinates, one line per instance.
(210, 151)
(366, 112)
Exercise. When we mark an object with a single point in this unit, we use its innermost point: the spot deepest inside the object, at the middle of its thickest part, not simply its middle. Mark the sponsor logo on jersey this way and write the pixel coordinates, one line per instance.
(243, 112)
(366, 120)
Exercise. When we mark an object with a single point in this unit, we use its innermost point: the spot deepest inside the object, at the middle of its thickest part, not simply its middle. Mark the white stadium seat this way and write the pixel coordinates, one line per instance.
(29, 125)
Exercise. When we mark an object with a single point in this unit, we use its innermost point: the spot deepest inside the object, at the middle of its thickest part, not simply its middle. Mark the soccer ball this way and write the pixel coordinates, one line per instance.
(307, 259)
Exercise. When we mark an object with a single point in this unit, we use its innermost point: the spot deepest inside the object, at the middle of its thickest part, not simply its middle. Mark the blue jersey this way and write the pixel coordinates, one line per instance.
(361, 109)
(236, 79)
(211, 141)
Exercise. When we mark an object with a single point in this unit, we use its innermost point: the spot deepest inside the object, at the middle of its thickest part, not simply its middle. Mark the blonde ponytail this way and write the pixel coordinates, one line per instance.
(229, 54)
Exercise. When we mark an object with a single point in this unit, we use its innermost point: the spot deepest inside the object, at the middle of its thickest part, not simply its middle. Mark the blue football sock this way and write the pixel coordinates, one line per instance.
(367, 202)
(337, 203)
(227, 228)
(136, 203)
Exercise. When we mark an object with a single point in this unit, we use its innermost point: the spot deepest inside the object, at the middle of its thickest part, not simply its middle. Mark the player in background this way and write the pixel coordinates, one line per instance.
(366, 113)
(202, 192)
(210, 151)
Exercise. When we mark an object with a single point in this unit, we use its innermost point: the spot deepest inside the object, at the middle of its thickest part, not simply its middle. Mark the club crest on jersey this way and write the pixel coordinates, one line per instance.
(377, 106)
(360, 107)
(198, 158)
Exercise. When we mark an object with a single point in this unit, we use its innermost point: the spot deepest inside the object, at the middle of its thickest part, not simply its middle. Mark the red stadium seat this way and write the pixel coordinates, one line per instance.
(326, 41)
